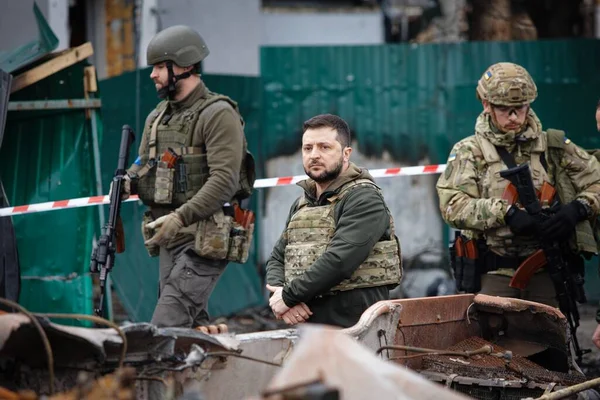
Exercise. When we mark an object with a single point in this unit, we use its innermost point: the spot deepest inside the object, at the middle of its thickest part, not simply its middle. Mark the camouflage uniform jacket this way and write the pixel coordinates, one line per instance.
(361, 221)
(470, 189)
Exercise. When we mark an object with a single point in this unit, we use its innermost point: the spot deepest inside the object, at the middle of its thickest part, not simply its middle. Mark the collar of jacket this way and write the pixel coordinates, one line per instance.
(351, 174)
(485, 127)
(199, 91)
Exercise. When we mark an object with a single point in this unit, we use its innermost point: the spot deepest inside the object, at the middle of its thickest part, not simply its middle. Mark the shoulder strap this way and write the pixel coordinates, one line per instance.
(152, 142)
(152, 146)
(508, 158)
(351, 185)
(510, 162)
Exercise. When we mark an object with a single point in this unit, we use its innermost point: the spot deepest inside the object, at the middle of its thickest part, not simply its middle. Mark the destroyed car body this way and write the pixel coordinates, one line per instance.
(482, 346)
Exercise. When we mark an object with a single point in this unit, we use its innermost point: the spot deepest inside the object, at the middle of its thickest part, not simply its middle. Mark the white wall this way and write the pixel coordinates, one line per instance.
(18, 25)
(231, 28)
(148, 28)
(322, 28)
(235, 29)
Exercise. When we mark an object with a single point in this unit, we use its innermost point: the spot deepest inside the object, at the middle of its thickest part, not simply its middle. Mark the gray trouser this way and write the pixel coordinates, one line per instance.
(186, 282)
(540, 288)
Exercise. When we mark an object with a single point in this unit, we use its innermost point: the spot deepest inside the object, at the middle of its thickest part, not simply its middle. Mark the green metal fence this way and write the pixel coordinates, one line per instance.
(45, 156)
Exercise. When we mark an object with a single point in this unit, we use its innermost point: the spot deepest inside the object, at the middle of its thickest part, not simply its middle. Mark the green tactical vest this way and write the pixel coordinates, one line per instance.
(310, 231)
(178, 134)
(583, 241)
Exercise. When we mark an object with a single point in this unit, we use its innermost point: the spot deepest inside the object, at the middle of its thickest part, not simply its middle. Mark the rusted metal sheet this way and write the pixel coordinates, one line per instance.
(524, 321)
(491, 367)
(433, 322)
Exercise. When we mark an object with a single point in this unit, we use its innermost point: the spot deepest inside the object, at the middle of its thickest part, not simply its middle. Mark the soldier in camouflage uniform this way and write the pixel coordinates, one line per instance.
(192, 161)
(470, 190)
(596, 153)
(338, 254)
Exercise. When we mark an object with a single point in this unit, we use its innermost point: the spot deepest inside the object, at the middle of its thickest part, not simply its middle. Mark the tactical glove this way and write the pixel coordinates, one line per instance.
(167, 226)
(126, 189)
(561, 225)
(521, 222)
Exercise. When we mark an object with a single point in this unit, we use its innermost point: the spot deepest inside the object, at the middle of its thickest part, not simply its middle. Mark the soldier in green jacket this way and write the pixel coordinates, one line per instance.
(192, 162)
(338, 254)
(471, 190)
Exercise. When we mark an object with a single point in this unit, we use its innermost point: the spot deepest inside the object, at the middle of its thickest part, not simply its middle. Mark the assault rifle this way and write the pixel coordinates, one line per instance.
(567, 284)
(113, 238)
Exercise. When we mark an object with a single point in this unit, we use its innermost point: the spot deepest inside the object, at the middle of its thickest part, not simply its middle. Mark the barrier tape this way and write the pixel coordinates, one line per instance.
(258, 184)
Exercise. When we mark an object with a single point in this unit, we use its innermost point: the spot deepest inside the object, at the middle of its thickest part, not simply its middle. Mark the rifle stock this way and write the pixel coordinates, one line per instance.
(112, 238)
(120, 235)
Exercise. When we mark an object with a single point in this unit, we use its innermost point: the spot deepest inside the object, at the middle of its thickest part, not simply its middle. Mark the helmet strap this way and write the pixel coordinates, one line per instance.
(170, 90)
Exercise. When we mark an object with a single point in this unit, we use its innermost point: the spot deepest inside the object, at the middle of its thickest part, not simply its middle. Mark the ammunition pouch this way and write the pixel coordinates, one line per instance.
(147, 233)
(467, 258)
(224, 236)
(163, 187)
(239, 243)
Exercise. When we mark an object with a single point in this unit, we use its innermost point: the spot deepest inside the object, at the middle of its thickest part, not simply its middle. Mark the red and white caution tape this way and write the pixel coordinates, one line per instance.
(259, 183)
(375, 173)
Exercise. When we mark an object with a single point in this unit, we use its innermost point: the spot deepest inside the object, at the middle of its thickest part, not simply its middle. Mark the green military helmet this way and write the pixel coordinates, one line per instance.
(506, 84)
(179, 44)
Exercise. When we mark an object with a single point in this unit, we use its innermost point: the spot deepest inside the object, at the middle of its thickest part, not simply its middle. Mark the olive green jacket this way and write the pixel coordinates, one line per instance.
(361, 221)
(219, 129)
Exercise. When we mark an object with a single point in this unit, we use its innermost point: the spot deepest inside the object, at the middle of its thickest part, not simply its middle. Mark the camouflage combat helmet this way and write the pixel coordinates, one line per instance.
(180, 44)
(506, 84)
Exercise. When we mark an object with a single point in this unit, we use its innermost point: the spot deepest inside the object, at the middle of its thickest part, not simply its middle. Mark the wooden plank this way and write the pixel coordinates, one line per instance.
(89, 79)
(60, 62)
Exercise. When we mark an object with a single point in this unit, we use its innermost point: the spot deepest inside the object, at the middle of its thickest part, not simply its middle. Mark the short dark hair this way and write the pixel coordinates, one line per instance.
(330, 121)
(598, 104)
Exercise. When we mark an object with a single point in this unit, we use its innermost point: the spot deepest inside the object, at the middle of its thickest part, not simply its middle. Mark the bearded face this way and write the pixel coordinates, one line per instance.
(322, 154)
(160, 77)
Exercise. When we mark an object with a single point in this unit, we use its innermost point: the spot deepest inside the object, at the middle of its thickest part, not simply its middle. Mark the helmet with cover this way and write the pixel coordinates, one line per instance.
(506, 84)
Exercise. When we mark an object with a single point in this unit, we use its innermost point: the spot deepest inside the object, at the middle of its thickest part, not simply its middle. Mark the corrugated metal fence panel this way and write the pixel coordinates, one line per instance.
(415, 101)
(45, 156)
(127, 99)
